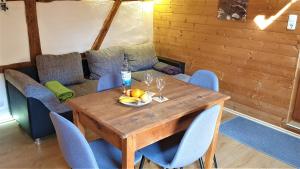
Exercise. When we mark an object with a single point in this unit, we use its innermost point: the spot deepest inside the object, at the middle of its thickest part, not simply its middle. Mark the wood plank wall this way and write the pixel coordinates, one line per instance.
(255, 67)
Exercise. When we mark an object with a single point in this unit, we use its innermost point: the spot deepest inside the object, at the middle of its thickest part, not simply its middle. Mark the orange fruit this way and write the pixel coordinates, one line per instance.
(128, 92)
(137, 92)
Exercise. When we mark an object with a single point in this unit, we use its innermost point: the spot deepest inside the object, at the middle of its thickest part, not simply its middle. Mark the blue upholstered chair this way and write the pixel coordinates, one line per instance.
(208, 80)
(109, 81)
(79, 153)
(178, 152)
(205, 79)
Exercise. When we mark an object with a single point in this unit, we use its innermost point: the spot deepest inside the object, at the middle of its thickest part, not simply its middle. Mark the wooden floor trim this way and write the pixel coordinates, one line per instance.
(294, 124)
(262, 122)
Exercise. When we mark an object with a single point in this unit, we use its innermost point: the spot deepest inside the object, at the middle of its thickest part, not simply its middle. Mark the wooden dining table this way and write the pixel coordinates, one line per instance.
(132, 128)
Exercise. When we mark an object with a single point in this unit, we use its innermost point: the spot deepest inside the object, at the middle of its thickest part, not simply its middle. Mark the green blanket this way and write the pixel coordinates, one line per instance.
(61, 92)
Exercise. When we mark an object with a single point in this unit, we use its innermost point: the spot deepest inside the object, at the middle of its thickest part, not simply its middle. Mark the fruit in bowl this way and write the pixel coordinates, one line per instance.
(128, 93)
(146, 98)
(135, 96)
(137, 92)
(127, 99)
(134, 93)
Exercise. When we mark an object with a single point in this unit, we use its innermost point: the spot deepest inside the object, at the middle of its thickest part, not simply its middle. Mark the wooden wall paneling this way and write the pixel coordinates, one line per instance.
(294, 107)
(256, 67)
(105, 27)
(33, 29)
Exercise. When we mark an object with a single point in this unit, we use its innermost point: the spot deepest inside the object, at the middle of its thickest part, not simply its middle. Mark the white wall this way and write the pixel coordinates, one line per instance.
(13, 35)
(131, 25)
(68, 26)
(75, 24)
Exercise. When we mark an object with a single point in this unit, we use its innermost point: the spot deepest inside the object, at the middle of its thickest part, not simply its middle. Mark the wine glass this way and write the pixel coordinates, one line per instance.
(160, 84)
(148, 78)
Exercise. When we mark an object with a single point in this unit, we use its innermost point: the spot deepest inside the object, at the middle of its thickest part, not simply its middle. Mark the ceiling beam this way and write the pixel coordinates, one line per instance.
(106, 25)
(32, 29)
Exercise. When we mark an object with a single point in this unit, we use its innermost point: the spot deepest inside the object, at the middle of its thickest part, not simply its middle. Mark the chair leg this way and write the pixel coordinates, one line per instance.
(142, 163)
(201, 163)
(37, 141)
(215, 161)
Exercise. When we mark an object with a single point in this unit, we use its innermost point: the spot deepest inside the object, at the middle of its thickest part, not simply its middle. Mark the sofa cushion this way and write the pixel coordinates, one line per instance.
(139, 76)
(166, 68)
(66, 68)
(87, 87)
(105, 61)
(141, 57)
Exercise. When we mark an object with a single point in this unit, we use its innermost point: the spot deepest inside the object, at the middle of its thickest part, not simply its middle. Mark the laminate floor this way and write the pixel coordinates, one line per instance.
(17, 150)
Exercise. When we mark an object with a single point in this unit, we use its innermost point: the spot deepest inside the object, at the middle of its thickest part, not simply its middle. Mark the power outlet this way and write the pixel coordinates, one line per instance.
(292, 22)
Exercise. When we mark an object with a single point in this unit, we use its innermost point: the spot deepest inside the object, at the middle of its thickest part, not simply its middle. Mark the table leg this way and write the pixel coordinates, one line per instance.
(212, 148)
(128, 150)
(77, 122)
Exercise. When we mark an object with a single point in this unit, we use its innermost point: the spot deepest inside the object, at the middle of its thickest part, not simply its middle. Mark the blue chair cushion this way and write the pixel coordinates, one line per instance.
(206, 79)
(108, 156)
(163, 152)
(179, 151)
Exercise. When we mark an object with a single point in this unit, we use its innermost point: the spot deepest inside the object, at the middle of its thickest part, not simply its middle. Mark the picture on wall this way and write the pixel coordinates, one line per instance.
(232, 10)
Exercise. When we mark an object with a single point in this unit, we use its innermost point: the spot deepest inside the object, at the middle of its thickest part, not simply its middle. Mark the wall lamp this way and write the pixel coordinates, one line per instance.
(3, 5)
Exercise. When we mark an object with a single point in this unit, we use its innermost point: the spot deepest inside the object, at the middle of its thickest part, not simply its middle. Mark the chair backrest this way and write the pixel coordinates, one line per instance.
(197, 138)
(109, 81)
(73, 145)
(205, 79)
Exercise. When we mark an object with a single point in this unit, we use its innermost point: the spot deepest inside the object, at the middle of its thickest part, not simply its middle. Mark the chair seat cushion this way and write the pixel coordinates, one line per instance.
(108, 156)
(163, 152)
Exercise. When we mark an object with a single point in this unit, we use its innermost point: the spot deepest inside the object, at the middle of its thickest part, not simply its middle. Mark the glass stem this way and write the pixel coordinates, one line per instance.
(160, 95)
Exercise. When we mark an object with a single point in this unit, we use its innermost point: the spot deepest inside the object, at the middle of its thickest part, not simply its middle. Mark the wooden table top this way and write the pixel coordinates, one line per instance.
(184, 99)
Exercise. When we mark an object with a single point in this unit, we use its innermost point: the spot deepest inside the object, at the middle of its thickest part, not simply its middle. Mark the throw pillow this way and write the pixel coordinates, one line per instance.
(66, 68)
(105, 61)
(141, 57)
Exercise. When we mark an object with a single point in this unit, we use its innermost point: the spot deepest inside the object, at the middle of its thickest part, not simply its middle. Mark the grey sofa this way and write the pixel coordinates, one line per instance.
(30, 102)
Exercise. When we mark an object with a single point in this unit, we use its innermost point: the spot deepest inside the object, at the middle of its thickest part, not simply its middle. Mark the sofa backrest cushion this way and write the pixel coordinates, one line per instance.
(105, 61)
(66, 68)
(141, 57)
